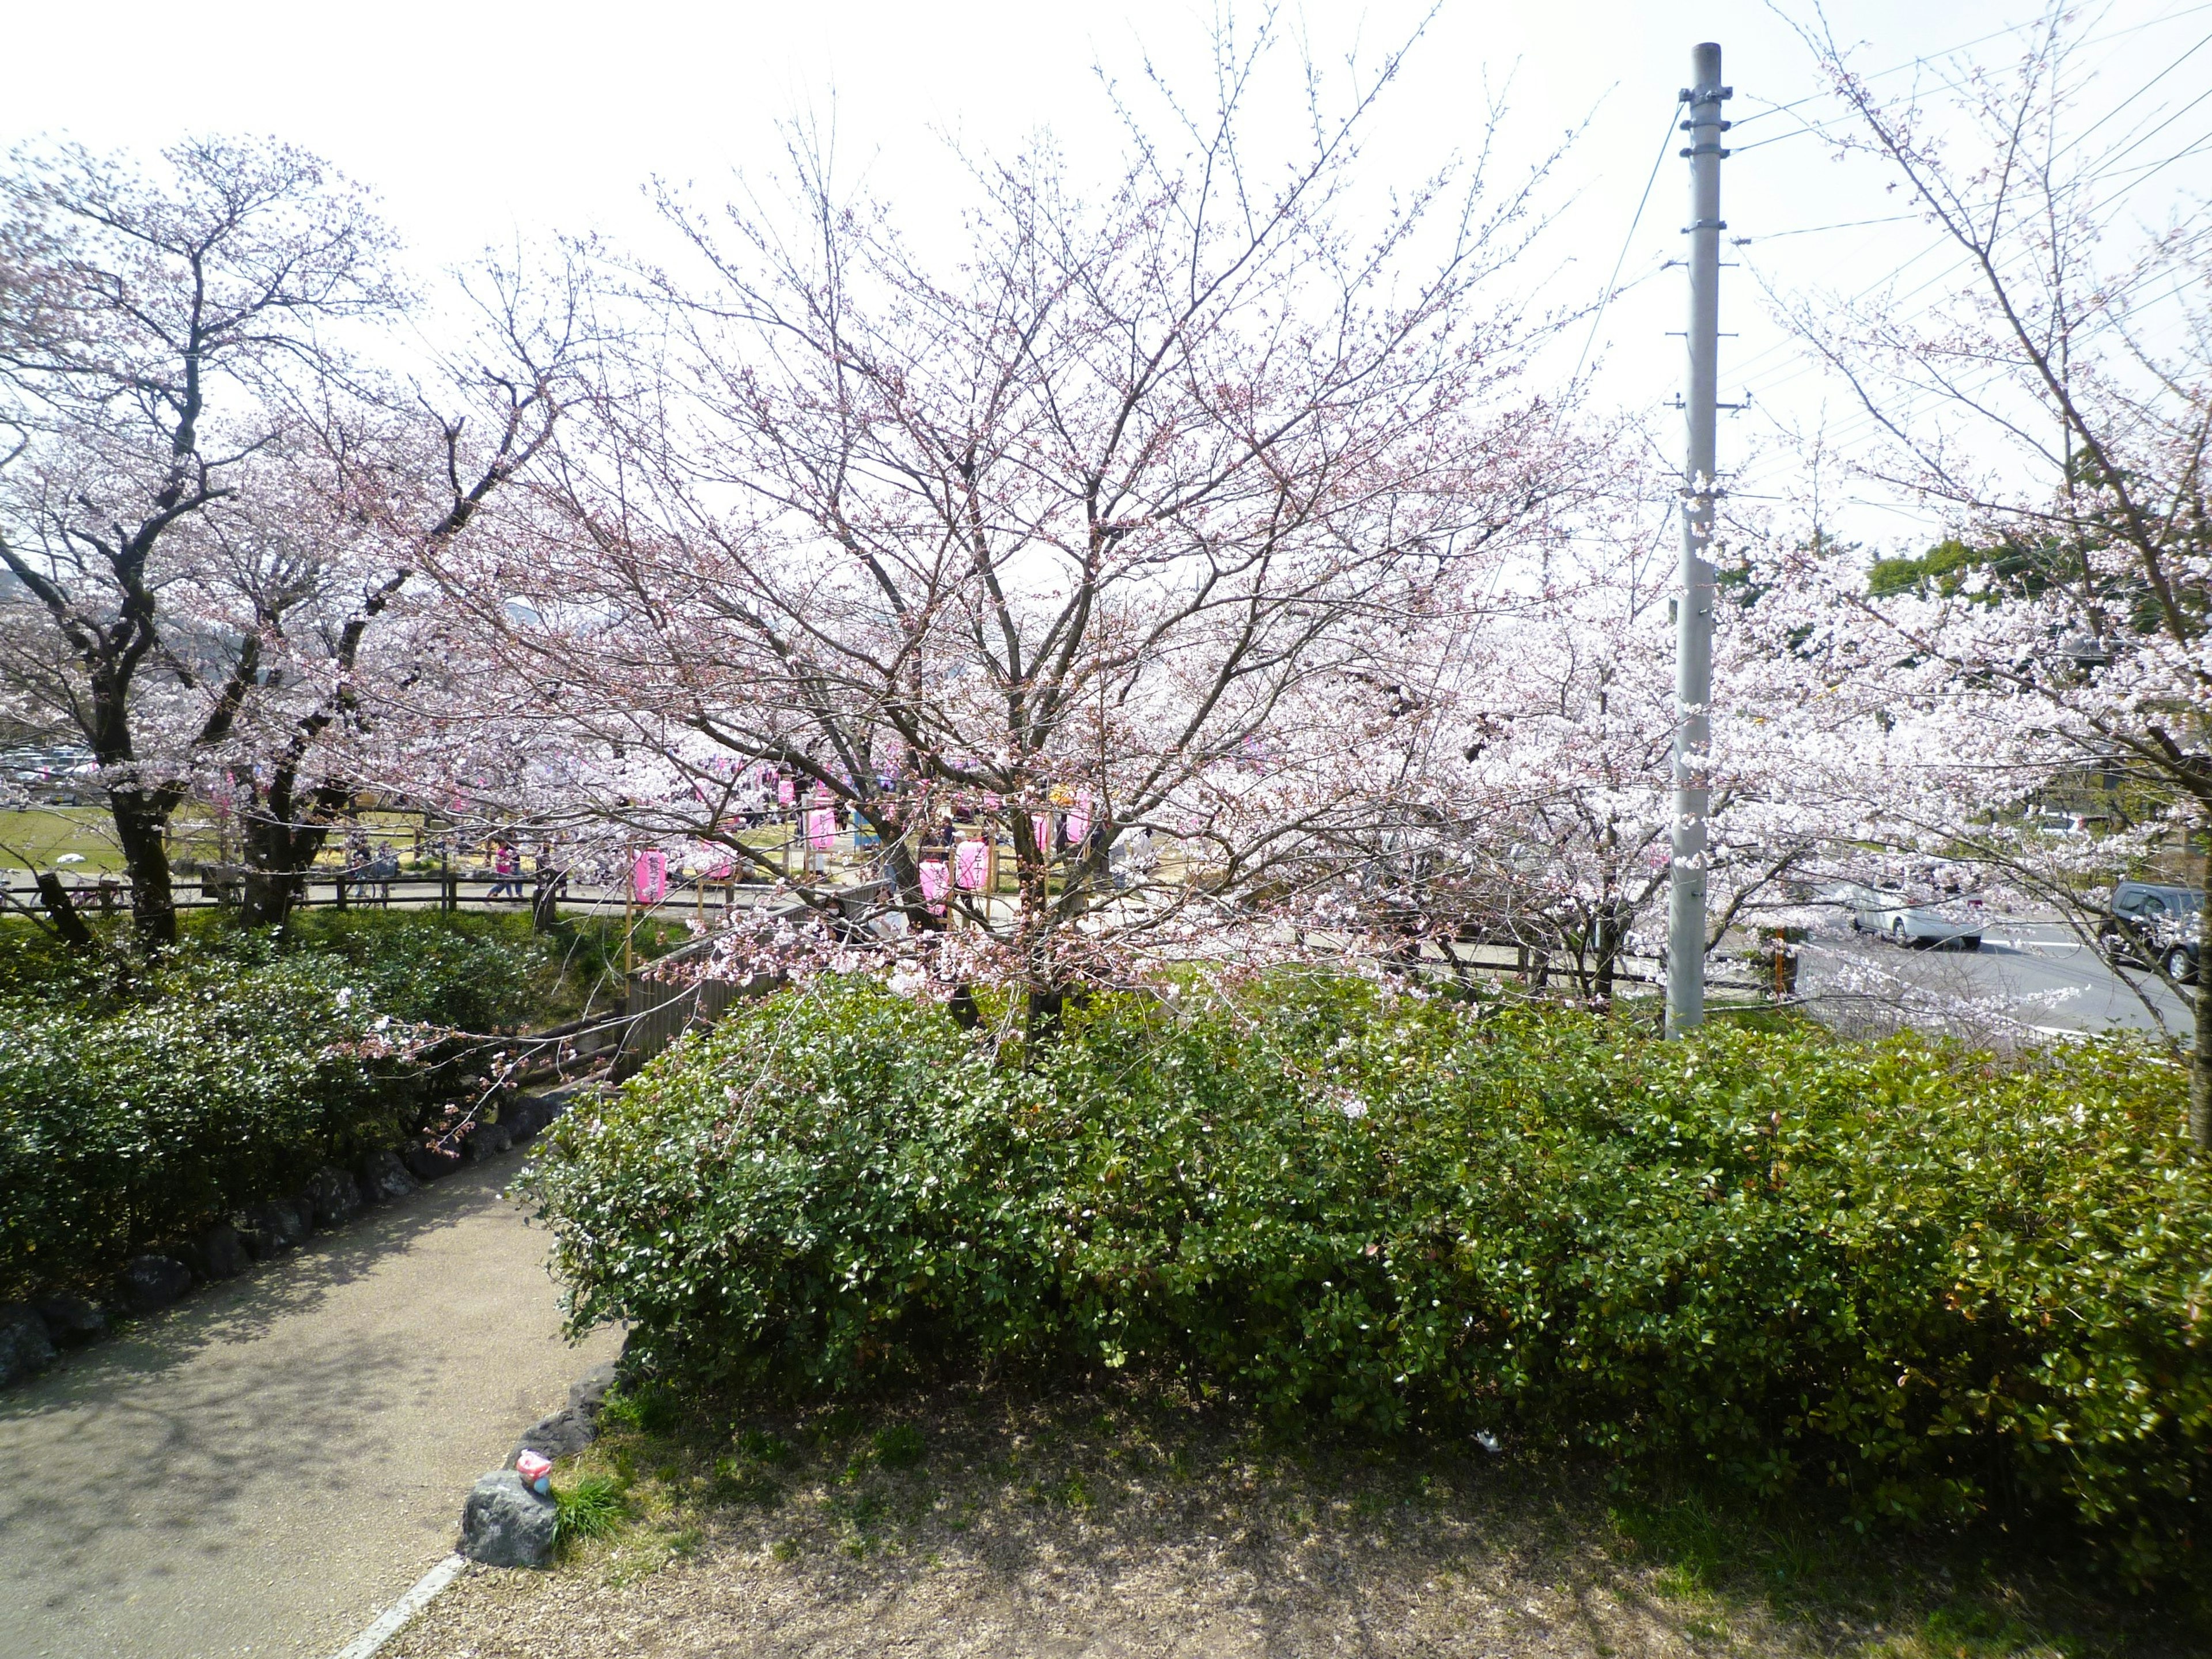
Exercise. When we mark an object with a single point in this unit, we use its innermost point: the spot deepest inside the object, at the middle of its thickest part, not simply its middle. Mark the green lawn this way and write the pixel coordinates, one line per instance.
(43, 834)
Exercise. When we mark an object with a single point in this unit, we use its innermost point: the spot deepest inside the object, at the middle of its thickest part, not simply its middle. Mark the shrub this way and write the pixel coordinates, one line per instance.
(133, 1112)
(1943, 1285)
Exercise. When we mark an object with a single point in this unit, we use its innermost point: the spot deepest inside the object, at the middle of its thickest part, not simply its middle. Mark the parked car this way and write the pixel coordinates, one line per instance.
(1956, 923)
(2155, 922)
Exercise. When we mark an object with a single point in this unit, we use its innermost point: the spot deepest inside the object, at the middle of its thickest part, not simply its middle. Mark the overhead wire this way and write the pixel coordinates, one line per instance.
(1613, 281)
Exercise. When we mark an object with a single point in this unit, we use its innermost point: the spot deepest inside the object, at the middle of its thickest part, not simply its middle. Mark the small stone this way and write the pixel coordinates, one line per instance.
(218, 1252)
(505, 1524)
(335, 1194)
(562, 1435)
(269, 1229)
(26, 1348)
(71, 1320)
(428, 1162)
(589, 1392)
(384, 1178)
(150, 1283)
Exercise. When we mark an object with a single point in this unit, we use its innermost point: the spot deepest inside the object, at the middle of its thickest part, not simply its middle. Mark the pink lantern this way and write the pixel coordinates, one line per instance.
(821, 830)
(648, 876)
(787, 791)
(935, 882)
(972, 860)
(1079, 819)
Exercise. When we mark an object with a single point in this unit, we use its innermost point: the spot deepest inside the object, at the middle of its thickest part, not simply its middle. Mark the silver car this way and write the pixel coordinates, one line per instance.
(1956, 923)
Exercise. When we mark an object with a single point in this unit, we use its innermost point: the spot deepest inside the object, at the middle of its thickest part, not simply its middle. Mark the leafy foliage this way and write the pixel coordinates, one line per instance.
(1945, 1286)
(215, 1075)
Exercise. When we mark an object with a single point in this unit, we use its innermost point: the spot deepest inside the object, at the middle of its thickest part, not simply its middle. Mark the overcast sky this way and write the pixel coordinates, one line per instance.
(480, 122)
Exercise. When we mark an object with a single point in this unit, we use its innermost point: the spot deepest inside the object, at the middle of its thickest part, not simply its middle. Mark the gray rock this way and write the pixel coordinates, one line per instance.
(270, 1228)
(384, 1177)
(562, 1435)
(150, 1283)
(487, 1140)
(335, 1194)
(524, 1118)
(26, 1349)
(505, 1524)
(71, 1320)
(428, 1162)
(218, 1252)
(589, 1392)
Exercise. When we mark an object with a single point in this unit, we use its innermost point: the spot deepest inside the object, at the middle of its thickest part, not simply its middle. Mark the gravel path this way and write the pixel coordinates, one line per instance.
(260, 1470)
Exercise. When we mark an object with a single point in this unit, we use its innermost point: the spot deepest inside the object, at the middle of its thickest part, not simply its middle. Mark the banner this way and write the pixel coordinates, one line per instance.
(649, 877)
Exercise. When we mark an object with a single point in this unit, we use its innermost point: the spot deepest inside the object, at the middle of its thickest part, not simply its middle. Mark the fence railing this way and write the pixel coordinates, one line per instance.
(474, 889)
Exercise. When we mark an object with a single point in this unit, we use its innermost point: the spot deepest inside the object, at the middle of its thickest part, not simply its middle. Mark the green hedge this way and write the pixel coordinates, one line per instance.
(132, 1113)
(1946, 1285)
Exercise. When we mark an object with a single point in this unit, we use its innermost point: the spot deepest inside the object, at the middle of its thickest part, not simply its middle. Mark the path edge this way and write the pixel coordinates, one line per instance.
(394, 1618)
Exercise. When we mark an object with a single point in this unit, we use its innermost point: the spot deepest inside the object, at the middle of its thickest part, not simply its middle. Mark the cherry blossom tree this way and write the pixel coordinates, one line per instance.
(159, 332)
(2054, 406)
(181, 361)
(1099, 540)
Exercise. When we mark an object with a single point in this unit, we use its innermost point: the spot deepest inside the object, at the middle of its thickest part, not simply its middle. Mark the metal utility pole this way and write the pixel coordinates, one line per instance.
(1693, 613)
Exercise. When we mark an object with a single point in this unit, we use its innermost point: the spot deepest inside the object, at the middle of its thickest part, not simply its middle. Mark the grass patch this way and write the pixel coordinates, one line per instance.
(1403, 1540)
(595, 1506)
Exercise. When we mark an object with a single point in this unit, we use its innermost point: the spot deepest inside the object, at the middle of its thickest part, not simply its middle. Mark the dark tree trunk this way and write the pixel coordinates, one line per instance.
(139, 821)
(280, 852)
(61, 910)
(1607, 936)
(1048, 1010)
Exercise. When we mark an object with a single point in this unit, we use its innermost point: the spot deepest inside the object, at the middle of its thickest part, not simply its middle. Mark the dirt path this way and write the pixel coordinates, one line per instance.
(262, 1469)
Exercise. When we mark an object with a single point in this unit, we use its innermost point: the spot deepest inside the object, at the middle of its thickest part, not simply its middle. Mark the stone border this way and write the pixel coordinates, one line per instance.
(396, 1617)
(34, 1335)
(504, 1523)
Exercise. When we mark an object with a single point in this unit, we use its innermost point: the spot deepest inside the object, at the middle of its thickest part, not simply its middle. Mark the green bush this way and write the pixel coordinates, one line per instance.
(134, 1110)
(1943, 1285)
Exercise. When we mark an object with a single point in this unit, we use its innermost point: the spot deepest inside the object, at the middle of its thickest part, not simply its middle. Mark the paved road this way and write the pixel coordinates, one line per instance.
(264, 1468)
(2038, 973)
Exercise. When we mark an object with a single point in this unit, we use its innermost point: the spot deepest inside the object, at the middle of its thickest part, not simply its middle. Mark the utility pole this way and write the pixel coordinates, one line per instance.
(1693, 610)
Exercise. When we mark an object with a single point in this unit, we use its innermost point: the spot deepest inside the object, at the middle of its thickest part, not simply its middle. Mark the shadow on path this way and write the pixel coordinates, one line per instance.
(259, 1469)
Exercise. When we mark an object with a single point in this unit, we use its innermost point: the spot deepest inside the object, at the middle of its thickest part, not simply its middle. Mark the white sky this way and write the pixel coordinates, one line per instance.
(480, 122)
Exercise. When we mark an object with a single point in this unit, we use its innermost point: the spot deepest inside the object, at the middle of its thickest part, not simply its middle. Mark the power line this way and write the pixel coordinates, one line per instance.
(1968, 46)
(1611, 282)
(2083, 135)
(1809, 230)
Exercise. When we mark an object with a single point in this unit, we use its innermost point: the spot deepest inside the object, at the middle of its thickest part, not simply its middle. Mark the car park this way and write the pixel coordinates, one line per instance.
(2154, 923)
(1890, 913)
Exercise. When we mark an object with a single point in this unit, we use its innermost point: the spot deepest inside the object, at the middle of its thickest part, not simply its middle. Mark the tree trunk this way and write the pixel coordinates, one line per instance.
(1048, 1007)
(138, 823)
(62, 912)
(1607, 933)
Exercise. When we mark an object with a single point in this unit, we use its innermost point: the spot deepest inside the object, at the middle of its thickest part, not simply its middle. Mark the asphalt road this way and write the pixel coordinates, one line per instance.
(2037, 973)
(263, 1468)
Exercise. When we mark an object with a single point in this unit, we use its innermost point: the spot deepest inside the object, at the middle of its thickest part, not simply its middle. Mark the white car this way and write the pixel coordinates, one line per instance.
(1956, 923)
